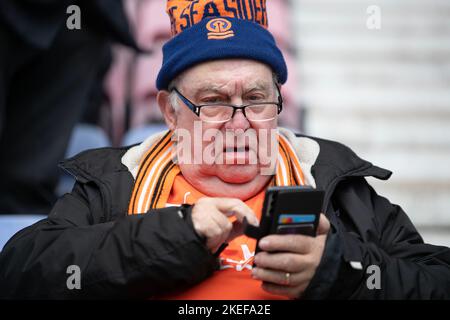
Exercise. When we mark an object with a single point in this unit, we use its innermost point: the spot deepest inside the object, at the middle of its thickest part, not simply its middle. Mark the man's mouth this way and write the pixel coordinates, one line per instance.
(236, 149)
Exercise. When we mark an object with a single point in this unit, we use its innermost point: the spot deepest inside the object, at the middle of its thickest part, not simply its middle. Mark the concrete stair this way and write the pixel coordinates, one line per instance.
(385, 93)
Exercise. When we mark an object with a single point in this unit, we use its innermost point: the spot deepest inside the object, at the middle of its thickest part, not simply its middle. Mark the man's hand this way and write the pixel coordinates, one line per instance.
(209, 217)
(289, 269)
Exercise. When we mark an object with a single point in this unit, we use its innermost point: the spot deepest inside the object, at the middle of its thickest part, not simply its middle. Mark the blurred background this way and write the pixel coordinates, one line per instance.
(374, 75)
(385, 93)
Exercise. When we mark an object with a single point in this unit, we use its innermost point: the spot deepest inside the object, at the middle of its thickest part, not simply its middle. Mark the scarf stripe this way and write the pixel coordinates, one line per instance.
(288, 174)
(157, 172)
(292, 156)
(152, 177)
(170, 172)
(147, 159)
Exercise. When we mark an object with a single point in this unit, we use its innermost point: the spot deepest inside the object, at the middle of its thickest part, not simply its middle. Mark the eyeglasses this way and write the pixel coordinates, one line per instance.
(222, 112)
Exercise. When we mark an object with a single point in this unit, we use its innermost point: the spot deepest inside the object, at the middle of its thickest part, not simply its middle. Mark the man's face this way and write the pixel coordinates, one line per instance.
(238, 156)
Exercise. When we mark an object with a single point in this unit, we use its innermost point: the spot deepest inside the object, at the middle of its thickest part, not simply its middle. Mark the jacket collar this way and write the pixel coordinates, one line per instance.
(324, 162)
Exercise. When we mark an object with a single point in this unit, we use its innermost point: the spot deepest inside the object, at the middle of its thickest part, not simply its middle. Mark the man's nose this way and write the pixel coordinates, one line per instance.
(239, 121)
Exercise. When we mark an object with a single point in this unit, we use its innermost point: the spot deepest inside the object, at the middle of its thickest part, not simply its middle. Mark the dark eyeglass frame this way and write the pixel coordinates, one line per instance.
(196, 108)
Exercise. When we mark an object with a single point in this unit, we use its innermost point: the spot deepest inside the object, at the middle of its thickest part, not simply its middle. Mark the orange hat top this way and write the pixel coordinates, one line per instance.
(185, 13)
(207, 30)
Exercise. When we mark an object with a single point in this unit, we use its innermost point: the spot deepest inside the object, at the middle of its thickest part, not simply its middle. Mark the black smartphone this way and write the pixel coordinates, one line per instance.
(288, 210)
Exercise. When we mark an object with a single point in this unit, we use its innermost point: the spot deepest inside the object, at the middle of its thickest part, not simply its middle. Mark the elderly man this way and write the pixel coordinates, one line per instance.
(150, 220)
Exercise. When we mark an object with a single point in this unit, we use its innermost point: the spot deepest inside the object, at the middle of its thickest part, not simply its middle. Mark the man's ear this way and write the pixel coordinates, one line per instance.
(163, 100)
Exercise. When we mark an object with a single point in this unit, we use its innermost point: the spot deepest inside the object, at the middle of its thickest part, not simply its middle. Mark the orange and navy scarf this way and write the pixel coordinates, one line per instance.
(157, 172)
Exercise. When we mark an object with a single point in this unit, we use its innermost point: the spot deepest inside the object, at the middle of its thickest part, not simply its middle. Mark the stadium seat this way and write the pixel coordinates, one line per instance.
(139, 134)
(12, 223)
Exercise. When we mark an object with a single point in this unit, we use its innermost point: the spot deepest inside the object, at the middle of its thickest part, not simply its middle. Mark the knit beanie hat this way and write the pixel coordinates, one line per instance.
(206, 30)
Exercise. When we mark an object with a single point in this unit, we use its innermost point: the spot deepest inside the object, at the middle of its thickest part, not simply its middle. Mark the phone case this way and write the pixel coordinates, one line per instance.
(288, 210)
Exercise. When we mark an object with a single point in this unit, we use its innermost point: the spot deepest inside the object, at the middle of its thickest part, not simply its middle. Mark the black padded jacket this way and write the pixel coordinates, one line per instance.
(147, 255)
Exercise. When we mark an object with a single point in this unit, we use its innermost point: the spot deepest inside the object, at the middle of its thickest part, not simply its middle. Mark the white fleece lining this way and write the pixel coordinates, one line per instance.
(132, 157)
(307, 151)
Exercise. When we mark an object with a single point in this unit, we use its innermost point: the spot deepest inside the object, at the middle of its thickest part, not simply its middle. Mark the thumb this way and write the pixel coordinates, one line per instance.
(324, 225)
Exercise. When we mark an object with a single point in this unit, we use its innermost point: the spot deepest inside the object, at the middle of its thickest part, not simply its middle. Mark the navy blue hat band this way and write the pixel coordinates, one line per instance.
(219, 38)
